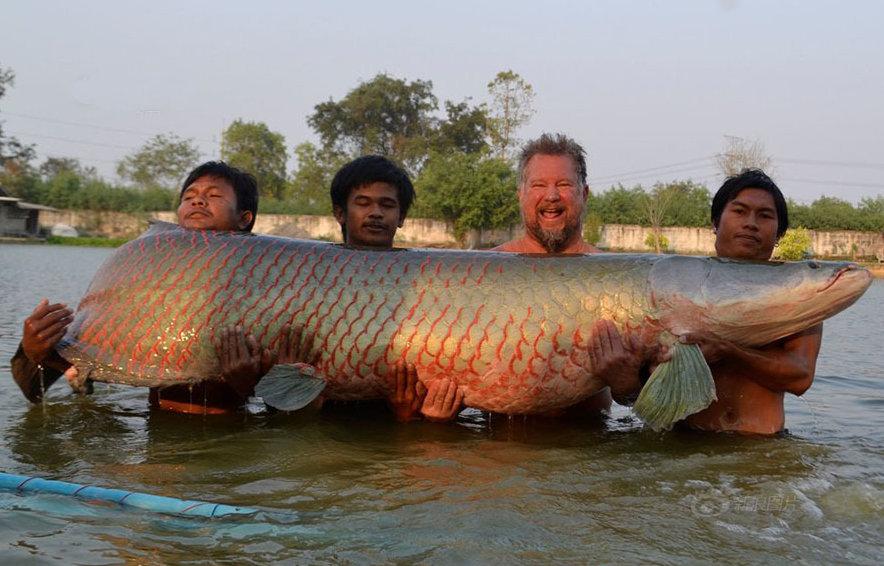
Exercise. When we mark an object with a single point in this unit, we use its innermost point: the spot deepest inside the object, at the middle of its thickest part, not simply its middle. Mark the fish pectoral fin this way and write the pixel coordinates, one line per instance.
(80, 380)
(289, 387)
(677, 388)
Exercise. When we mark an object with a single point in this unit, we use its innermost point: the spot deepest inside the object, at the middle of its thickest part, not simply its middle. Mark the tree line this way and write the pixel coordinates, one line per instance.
(460, 155)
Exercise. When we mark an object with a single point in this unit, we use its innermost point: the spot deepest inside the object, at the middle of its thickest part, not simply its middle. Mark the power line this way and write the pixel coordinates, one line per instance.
(836, 183)
(69, 140)
(94, 126)
(637, 171)
(860, 164)
(702, 168)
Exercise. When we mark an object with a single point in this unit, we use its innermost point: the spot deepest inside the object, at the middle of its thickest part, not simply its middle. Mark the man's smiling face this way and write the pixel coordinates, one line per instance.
(552, 200)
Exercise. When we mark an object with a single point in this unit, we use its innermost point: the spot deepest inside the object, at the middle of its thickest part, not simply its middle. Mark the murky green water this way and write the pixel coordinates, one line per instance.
(343, 487)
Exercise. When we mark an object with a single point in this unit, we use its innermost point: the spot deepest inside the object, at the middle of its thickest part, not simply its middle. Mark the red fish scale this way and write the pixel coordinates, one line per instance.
(505, 328)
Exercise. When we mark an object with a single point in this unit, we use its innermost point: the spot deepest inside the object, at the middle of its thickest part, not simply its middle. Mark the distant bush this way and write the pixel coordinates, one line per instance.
(794, 245)
(650, 241)
(92, 242)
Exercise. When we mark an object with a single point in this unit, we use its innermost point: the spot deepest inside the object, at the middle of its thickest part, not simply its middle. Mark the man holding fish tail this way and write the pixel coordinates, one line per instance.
(749, 216)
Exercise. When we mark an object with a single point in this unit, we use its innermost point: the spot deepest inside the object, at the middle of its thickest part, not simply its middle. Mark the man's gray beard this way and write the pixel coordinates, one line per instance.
(553, 241)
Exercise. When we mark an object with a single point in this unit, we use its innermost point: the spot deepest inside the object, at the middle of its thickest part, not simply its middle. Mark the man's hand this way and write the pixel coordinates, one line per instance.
(43, 329)
(297, 346)
(408, 395)
(615, 358)
(714, 349)
(443, 401)
(243, 363)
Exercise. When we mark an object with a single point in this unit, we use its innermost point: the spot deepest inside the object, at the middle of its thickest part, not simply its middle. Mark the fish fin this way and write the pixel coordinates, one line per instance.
(82, 384)
(677, 388)
(289, 387)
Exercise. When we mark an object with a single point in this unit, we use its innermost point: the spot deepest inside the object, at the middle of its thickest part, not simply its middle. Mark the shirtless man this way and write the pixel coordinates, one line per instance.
(748, 217)
(370, 199)
(215, 196)
(552, 199)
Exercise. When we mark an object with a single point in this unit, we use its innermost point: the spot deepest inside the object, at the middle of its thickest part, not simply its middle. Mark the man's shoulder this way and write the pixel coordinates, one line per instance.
(511, 246)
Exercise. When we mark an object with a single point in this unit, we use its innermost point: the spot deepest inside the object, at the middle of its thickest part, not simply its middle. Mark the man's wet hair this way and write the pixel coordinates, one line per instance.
(554, 144)
(245, 187)
(366, 170)
(750, 179)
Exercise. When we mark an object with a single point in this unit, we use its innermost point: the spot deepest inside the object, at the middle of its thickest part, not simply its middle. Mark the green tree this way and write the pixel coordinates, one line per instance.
(470, 190)
(592, 227)
(463, 128)
(794, 245)
(254, 148)
(512, 98)
(871, 211)
(690, 204)
(54, 166)
(385, 116)
(163, 161)
(10, 148)
(618, 205)
(313, 177)
(656, 206)
(827, 213)
(15, 157)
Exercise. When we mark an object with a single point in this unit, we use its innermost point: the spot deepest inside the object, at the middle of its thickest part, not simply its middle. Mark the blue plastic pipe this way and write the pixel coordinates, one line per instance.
(146, 501)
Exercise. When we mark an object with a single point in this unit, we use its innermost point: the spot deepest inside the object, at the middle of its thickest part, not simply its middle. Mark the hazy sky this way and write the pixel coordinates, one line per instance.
(643, 85)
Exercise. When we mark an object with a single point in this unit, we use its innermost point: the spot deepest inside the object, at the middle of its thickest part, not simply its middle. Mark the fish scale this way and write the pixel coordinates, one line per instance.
(511, 330)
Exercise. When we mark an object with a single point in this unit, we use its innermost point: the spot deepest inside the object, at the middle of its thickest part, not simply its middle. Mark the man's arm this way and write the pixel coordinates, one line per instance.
(787, 365)
(36, 365)
(30, 378)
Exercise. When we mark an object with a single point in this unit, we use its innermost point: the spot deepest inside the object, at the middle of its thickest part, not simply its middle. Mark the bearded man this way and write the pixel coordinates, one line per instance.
(552, 199)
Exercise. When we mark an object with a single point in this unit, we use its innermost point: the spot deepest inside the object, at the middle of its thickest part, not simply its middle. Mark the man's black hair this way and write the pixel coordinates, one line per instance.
(366, 170)
(750, 179)
(245, 187)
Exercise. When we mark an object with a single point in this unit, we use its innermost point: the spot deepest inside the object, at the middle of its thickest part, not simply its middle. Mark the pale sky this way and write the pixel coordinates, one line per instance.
(649, 88)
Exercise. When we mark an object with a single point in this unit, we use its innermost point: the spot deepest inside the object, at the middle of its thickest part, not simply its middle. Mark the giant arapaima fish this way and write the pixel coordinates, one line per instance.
(512, 330)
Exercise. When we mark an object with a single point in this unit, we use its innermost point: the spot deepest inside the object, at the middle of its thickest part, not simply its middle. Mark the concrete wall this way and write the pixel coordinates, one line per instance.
(702, 241)
(435, 233)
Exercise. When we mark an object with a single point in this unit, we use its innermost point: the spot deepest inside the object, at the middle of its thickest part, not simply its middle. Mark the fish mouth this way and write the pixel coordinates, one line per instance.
(842, 273)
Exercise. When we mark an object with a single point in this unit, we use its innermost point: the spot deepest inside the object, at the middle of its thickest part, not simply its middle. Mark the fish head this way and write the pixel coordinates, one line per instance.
(752, 302)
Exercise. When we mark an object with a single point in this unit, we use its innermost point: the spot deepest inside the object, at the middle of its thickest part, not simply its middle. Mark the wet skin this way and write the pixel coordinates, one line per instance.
(750, 382)
(552, 200)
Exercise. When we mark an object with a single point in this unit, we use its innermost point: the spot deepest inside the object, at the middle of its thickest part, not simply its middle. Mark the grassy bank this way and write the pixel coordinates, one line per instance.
(87, 241)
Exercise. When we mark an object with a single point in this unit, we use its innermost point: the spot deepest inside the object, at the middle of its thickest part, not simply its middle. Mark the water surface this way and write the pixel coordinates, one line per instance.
(356, 487)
